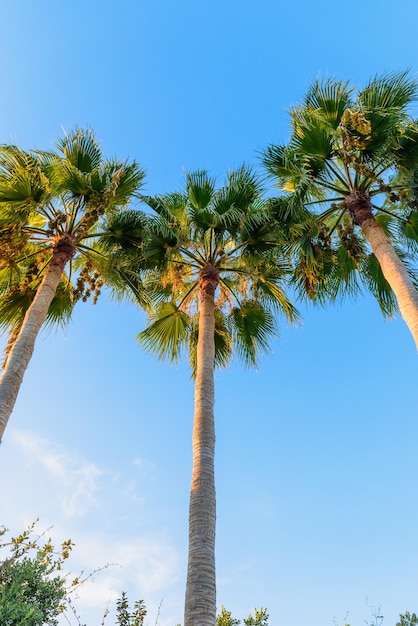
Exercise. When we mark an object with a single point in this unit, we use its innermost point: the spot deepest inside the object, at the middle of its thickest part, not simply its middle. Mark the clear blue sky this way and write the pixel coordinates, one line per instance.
(316, 464)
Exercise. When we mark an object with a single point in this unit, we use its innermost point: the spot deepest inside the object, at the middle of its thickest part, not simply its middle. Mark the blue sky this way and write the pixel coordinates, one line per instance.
(316, 452)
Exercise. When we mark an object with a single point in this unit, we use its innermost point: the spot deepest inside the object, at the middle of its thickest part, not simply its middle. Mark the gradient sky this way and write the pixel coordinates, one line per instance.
(316, 460)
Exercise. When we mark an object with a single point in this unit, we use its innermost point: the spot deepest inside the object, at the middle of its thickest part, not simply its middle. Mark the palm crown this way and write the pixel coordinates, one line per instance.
(224, 238)
(53, 200)
(355, 155)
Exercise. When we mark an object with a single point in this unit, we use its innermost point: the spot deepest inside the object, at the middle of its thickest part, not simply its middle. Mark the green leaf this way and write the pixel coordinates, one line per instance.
(375, 281)
(82, 150)
(329, 99)
(253, 329)
(200, 189)
(168, 332)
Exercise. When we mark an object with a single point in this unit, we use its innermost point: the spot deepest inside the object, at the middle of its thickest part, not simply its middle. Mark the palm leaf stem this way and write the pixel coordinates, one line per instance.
(330, 186)
(86, 249)
(231, 291)
(368, 181)
(336, 223)
(330, 211)
(398, 217)
(348, 173)
(74, 213)
(187, 294)
(357, 180)
(338, 175)
(207, 244)
(383, 170)
(233, 270)
(35, 231)
(232, 252)
(43, 211)
(91, 235)
(340, 199)
(29, 256)
(132, 285)
(197, 267)
(187, 253)
(39, 238)
(211, 251)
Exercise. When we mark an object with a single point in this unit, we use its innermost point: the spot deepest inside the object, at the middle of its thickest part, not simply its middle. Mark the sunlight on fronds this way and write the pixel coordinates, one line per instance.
(253, 330)
(168, 332)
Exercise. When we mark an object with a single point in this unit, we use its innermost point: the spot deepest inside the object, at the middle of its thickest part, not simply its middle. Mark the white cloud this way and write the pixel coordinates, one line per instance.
(74, 479)
(105, 513)
(146, 568)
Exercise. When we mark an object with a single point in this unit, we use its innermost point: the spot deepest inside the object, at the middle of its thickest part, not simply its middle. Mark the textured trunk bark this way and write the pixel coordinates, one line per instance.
(20, 355)
(392, 267)
(200, 604)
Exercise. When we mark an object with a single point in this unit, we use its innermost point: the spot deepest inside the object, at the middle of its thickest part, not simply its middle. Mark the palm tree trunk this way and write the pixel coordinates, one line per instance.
(395, 273)
(200, 604)
(21, 353)
(392, 267)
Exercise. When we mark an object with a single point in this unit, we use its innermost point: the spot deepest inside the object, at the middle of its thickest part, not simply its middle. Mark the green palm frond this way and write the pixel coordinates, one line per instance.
(253, 329)
(313, 269)
(167, 333)
(407, 149)
(15, 303)
(343, 279)
(200, 188)
(377, 284)
(81, 150)
(125, 282)
(159, 240)
(242, 187)
(223, 339)
(171, 207)
(124, 230)
(407, 229)
(294, 174)
(205, 218)
(329, 99)
(62, 305)
(13, 306)
(257, 219)
(391, 92)
(125, 181)
(384, 102)
(388, 222)
(267, 288)
(23, 183)
(245, 180)
(312, 139)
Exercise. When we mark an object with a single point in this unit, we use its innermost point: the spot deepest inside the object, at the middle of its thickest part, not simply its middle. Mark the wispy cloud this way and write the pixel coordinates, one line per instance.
(75, 480)
(104, 511)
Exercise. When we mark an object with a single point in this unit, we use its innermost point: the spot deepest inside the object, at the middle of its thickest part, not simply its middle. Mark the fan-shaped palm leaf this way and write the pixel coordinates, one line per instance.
(168, 332)
(253, 330)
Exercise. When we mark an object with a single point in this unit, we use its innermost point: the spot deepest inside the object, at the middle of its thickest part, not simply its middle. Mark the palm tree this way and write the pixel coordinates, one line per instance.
(51, 207)
(355, 155)
(217, 289)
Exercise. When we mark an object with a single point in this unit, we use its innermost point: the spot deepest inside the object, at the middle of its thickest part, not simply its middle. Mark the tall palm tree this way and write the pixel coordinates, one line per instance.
(355, 154)
(52, 207)
(218, 287)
